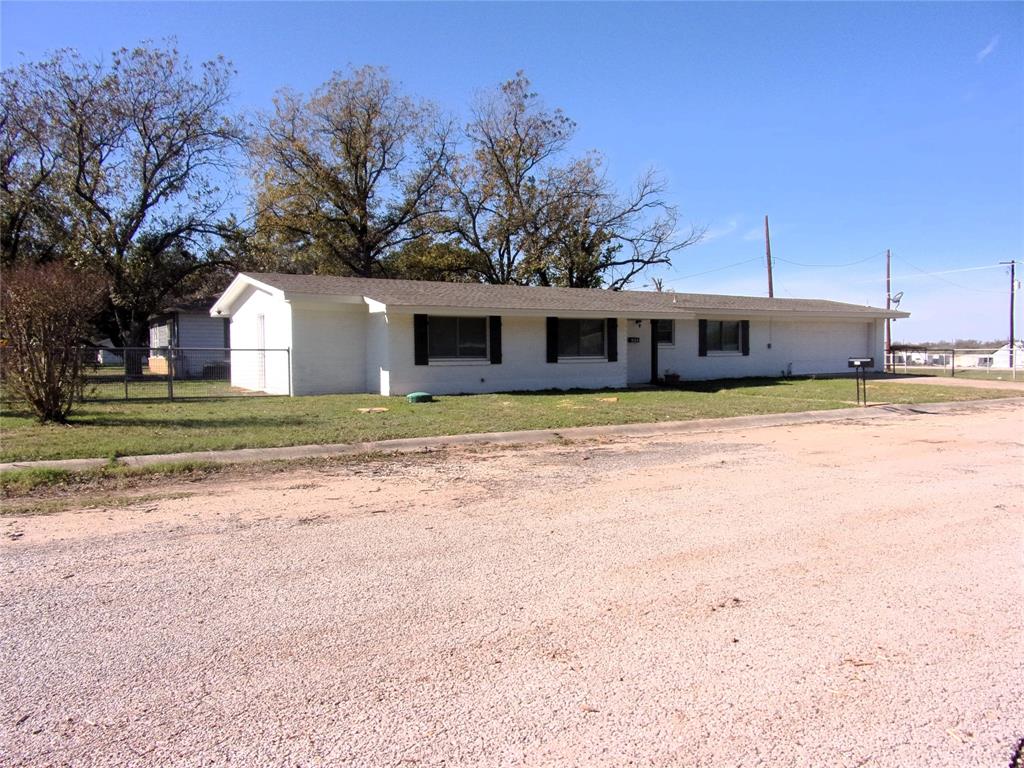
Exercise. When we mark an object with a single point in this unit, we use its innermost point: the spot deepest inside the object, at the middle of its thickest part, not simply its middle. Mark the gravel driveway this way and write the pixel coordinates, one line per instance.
(845, 594)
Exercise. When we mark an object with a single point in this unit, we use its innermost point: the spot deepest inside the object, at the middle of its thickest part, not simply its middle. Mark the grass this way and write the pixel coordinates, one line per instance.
(986, 374)
(111, 429)
(47, 491)
(50, 506)
(107, 383)
(20, 482)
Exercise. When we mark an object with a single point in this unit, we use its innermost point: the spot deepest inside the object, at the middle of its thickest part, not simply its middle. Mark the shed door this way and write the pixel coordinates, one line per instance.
(261, 354)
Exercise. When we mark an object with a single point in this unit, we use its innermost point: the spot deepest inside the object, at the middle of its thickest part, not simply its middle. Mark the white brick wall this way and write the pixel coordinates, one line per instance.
(250, 370)
(378, 374)
(797, 347)
(524, 363)
(329, 353)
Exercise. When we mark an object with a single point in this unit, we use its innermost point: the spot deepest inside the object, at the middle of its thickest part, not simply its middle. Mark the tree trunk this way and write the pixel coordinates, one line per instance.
(136, 336)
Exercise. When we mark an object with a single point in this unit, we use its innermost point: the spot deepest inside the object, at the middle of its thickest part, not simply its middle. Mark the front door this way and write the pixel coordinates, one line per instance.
(638, 352)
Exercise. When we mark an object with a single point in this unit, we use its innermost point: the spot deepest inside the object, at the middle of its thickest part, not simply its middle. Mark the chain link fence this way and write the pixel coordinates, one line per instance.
(172, 373)
(1002, 363)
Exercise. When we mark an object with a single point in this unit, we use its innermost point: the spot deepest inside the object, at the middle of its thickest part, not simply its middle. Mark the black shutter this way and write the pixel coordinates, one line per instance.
(421, 339)
(494, 327)
(745, 336)
(613, 339)
(552, 339)
(702, 338)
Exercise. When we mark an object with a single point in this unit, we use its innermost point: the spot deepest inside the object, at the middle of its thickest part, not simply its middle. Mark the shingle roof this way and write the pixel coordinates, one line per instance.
(421, 293)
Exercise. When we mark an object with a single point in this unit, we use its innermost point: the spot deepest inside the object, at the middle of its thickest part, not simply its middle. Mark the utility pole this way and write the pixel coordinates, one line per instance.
(889, 366)
(1013, 289)
(768, 254)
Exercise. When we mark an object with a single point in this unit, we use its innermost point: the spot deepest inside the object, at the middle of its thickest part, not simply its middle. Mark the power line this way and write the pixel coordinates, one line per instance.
(964, 269)
(716, 269)
(937, 276)
(849, 264)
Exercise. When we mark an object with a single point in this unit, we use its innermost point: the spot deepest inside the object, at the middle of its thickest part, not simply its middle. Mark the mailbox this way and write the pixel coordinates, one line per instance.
(861, 363)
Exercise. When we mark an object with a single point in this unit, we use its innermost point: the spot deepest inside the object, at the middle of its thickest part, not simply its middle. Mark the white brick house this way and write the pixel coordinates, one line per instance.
(393, 337)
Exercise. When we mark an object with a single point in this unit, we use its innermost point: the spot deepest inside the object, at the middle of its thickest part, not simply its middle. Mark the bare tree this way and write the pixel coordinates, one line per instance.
(532, 217)
(46, 313)
(603, 239)
(500, 194)
(138, 146)
(348, 175)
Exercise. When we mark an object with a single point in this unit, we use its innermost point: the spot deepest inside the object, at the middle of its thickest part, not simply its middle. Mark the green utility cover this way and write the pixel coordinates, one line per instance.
(419, 397)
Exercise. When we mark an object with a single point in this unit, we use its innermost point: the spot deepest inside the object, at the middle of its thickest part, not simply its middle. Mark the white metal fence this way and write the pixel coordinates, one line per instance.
(1000, 363)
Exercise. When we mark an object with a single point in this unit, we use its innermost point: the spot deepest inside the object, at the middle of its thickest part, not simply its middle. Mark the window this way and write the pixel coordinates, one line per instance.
(160, 335)
(457, 337)
(723, 336)
(580, 338)
(665, 331)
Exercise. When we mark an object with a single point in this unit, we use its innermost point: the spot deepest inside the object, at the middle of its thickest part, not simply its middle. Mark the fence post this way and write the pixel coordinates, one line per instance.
(170, 373)
(952, 365)
(124, 361)
(288, 362)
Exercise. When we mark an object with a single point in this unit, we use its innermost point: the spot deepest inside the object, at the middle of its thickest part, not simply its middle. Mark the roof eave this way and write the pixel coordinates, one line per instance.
(797, 314)
(682, 313)
(409, 309)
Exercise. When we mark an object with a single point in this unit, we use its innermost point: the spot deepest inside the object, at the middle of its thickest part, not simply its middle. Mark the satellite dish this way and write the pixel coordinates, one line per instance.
(897, 299)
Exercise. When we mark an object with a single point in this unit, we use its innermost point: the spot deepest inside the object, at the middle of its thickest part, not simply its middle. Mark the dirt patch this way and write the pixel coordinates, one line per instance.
(831, 594)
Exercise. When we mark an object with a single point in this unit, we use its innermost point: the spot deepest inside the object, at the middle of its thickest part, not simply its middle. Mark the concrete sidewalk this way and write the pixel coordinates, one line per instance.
(524, 437)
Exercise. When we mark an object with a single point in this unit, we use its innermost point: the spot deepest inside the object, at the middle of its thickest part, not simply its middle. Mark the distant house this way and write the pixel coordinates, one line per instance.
(107, 353)
(1001, 357)
(199, 339)
(397, 336)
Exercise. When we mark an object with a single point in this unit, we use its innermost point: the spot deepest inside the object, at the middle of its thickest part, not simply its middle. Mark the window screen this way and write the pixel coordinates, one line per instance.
(455, 337)
(581, 338)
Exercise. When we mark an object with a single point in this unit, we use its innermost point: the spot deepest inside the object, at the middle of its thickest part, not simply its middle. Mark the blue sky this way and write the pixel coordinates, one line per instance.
(856, 127)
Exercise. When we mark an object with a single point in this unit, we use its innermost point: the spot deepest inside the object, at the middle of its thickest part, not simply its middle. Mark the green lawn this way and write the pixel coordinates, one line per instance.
(986, 374)
(107, 429)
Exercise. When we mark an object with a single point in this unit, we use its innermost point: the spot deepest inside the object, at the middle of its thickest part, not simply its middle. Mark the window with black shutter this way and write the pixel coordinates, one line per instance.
(456, 338)
(580, 337)
(724, 336)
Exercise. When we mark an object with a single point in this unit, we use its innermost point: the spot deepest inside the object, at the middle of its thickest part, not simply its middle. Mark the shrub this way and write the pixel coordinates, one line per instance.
(46, 313)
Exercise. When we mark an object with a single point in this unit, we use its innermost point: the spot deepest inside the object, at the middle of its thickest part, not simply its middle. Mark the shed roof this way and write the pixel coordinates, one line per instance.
(479, 296)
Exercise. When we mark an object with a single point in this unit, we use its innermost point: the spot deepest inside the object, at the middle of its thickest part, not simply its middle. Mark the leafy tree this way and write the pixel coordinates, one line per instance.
(32, 212)
(349, 175)
(428, 259)
(136, 149)
(45, 315)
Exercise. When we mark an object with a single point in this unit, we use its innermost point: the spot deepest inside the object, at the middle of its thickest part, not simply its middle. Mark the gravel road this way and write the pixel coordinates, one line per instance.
(844, 594)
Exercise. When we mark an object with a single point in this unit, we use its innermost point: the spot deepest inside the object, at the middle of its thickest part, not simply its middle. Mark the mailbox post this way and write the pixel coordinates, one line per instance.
(860, 364)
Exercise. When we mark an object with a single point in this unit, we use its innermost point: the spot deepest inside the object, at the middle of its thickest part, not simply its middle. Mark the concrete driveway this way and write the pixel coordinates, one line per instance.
(840, 594)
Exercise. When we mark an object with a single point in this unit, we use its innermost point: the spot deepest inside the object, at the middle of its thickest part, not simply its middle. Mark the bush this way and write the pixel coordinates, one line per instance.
(46, 313)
